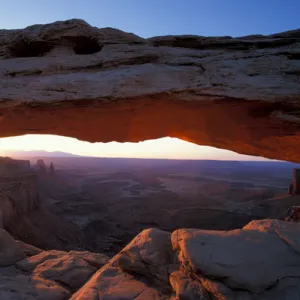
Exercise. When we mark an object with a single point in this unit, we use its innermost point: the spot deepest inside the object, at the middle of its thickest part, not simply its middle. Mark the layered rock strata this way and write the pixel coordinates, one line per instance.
(68, 78)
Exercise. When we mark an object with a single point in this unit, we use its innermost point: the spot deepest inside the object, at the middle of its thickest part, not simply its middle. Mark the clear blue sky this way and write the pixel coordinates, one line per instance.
(149, 18)
(159, 17)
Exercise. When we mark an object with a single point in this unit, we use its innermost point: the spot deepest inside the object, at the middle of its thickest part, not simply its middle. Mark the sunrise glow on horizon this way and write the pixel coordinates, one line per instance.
(170, 148)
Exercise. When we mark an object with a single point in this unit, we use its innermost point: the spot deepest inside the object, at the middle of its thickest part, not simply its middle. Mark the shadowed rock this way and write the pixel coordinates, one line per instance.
(29, 250)
(10, 252)
(41, 168)
(51, 170)
(261, 261)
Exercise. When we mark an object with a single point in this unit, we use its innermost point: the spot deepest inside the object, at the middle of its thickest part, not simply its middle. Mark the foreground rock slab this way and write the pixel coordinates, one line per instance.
(249, 259)
(140, 271)
(261, 261)
(17, 286)
(241, 94)
(46, 275)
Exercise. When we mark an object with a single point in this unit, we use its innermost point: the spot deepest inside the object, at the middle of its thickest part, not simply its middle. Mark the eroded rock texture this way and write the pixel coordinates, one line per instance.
(258, 262)
(71, 79)
(44, 275)
(18, 190)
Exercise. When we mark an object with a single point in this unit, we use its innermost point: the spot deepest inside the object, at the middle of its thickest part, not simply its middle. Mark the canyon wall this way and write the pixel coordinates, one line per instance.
(18, 189)
(23, 213)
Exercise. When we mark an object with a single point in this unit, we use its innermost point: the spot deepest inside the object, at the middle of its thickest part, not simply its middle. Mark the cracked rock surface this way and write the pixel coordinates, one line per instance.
(250, 263)
(259, 261)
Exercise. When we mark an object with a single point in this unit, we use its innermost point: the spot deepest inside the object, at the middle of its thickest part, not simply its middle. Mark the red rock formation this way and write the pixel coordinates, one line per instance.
(71, 79)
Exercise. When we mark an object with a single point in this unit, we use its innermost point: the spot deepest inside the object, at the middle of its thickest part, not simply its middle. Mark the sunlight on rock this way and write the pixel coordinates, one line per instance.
(172, 148)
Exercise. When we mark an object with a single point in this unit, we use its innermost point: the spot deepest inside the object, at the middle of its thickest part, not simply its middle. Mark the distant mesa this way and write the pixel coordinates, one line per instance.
(12, 166)
(40, 154)
(42, 169)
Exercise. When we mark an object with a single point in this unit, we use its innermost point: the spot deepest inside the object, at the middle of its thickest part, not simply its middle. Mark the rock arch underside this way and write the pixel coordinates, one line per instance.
(69, 78)
(102, 85)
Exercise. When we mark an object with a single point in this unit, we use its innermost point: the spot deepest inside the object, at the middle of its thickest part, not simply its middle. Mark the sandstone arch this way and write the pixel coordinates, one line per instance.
(69, 78)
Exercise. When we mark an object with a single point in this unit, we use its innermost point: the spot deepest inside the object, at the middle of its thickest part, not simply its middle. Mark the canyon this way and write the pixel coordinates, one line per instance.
(22, 212)
(69, 78)
(18, 189)
(88, 236)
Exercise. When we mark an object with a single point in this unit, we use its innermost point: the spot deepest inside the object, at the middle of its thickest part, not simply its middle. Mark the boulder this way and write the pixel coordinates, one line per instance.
(140, 271)
(150, 255)
(254, 258)
(68, 270)
(286, 289)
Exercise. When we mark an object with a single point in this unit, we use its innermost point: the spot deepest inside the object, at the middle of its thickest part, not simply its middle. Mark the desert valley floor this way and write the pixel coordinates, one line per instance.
(105, 202)
(83, 228)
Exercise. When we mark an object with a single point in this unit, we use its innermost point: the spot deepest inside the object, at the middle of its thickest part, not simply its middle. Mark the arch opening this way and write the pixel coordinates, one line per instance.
(254, 128)
(162, 148)
(116, 196)
(209, 91)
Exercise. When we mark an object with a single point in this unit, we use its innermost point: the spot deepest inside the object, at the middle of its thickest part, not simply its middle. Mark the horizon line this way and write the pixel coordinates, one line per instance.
(148, 158)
